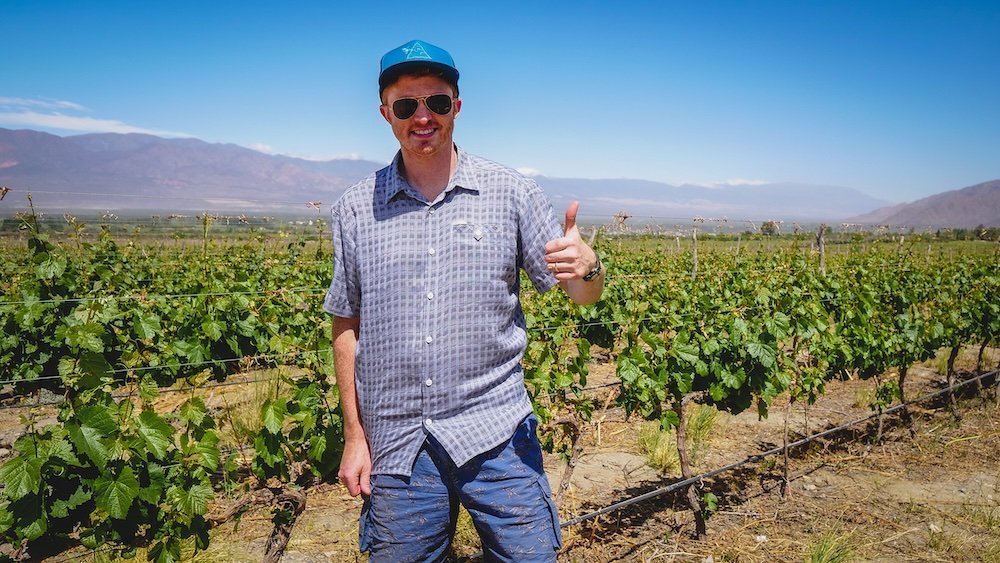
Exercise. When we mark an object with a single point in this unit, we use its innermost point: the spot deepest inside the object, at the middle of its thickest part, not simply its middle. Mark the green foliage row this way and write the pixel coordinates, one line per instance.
(107, 326)
(90, 320)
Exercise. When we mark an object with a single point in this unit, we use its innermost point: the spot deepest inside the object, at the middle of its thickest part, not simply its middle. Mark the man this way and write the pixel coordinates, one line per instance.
(428, 331)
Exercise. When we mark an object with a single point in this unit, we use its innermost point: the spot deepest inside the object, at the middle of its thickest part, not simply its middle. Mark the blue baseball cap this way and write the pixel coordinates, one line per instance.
(412, 54)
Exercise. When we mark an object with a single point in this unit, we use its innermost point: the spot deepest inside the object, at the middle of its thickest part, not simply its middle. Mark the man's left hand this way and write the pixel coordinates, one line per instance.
(568, 257)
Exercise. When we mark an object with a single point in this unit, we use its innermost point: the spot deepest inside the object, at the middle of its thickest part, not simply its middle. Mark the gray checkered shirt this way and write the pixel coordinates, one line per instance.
(435, 285)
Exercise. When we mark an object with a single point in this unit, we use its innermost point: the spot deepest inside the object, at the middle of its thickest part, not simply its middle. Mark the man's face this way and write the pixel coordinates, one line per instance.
(424, 133)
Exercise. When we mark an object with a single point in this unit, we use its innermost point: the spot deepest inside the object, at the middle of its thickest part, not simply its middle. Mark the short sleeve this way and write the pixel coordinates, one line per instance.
(537, 225)
(343, 299)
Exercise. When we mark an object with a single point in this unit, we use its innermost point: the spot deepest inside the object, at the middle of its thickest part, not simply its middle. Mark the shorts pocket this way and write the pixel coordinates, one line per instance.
(543, 483)
(364, 526)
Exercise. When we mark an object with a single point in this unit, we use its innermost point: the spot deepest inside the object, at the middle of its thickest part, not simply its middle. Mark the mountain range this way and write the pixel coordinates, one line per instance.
(110, 171)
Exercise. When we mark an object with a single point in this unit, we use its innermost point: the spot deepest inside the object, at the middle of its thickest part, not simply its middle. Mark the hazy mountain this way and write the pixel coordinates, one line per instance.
(641, 198)
(967, 207)
(115, 171)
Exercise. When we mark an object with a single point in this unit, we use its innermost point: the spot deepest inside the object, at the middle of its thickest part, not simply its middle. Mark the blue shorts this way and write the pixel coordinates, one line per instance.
(504, 489)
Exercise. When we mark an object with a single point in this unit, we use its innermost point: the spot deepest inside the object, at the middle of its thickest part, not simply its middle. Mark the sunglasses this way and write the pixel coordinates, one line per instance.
(404, 108)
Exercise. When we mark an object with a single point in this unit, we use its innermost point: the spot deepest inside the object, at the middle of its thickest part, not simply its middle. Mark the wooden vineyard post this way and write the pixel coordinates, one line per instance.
(694, 252)
(904, 413)
(951, 381)
(784, 476)
(701, 529)
(821, 244)
(576, 451)
(694, 246)
(289, 503)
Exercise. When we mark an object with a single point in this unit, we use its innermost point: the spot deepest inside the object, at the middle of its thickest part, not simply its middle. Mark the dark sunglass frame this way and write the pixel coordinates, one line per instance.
(440, 104)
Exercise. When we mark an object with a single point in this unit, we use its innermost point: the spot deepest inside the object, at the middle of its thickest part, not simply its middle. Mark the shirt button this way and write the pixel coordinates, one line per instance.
(429, 382)
(431, 210)
(430, 295)
(428, 422)
(430, 251)
(429, 339)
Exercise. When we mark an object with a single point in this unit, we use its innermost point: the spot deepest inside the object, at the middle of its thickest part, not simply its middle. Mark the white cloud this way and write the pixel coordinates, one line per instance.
(46, 104)
(728, 183)
(674, 206)
(530, 171)
(742, 182)
(63, 116)
(77, 123)
(261, 147)
(316, 158)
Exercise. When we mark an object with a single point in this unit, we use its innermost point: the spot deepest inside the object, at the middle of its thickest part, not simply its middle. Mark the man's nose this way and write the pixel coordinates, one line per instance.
(422, 113)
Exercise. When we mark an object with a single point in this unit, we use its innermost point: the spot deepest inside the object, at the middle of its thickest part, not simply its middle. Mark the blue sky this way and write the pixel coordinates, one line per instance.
(900, 99)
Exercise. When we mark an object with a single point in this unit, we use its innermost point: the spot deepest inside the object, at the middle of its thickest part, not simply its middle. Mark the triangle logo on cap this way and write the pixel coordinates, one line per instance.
(416, 51)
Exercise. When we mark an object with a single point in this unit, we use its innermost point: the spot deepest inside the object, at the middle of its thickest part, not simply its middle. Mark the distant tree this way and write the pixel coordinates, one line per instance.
(769, 228)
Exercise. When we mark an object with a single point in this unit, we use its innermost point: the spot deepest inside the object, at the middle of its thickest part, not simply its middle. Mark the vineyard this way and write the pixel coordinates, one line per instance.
(126, 344)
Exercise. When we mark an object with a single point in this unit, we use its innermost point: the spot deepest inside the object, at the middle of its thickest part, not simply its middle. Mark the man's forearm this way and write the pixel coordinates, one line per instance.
(345, 341)
(584, 292)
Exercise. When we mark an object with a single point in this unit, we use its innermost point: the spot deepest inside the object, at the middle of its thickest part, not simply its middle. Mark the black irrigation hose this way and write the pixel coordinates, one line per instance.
(757, 457)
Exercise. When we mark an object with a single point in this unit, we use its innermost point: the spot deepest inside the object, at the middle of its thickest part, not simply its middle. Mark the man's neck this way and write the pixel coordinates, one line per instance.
(430, 175)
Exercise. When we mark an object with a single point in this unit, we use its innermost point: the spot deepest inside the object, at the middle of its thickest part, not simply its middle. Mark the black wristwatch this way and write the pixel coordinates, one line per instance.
(596, 271)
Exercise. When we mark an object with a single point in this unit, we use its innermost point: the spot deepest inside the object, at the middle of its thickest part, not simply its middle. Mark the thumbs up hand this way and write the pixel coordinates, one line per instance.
(568, 257)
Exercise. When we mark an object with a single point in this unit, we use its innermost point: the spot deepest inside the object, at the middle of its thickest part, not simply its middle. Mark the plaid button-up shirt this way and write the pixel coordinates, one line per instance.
(435, 285)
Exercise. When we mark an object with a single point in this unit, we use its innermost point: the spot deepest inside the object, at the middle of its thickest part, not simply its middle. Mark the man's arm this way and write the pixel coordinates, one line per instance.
(570, 259)
(356, 462)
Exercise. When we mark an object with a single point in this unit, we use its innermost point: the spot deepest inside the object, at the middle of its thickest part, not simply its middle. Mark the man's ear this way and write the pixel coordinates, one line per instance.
(456, 105)
(384, 110)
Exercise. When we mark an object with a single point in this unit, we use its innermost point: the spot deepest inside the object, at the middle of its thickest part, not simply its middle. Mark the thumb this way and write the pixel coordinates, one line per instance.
(570, 223)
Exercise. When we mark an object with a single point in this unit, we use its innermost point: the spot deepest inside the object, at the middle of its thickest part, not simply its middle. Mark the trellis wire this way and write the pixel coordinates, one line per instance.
(774, 451)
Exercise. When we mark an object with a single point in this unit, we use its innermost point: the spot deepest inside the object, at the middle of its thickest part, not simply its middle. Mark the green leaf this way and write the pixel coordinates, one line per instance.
(668, 420)
(115, 495)
(190, 501)
(156, 433)
(86, 336)
(762, 353)
(92, 433)
(60, 448)
(193, 412)
(6, 518)
(628, 372)
(30, 520)
(208, 450)
(53, 267)
(685, 352)
(94, 368)
(61, 507)
(21, 476)
(272, 414)
(152, 492)
(148, 389)
(317, 445)
(167, 550)
(213, 329)
(710, 503)
(146, 326)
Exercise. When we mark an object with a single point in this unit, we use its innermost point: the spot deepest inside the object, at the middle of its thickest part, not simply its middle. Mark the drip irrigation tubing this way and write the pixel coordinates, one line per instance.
(774, 451)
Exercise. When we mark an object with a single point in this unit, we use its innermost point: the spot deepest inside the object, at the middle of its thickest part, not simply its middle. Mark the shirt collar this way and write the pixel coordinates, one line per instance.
(462, 178)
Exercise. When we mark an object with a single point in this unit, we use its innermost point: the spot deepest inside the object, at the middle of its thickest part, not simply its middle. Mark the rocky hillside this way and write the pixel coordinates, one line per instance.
(965, 208)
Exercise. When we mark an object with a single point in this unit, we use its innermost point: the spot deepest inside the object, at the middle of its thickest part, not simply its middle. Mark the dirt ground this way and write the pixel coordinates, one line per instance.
(930, 496)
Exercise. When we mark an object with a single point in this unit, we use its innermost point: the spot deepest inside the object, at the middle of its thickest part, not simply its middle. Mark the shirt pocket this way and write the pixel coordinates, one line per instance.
(482, 252)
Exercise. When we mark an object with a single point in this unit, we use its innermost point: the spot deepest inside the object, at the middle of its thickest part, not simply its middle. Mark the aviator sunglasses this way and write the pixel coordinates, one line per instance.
(404, 108)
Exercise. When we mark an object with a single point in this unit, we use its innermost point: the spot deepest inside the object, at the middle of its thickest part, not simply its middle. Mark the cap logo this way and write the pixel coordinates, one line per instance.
(416, 51)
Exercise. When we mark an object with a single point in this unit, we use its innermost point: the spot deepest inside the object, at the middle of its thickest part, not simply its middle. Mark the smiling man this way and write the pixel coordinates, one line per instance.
(428, 331)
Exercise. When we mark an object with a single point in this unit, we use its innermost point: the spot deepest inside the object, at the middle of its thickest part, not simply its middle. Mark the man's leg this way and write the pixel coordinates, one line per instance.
(507, 494)
(409, 519)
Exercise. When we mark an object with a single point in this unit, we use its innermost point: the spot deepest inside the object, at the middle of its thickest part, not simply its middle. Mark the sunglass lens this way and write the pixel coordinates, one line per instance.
(403, 108)
(439, 103)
